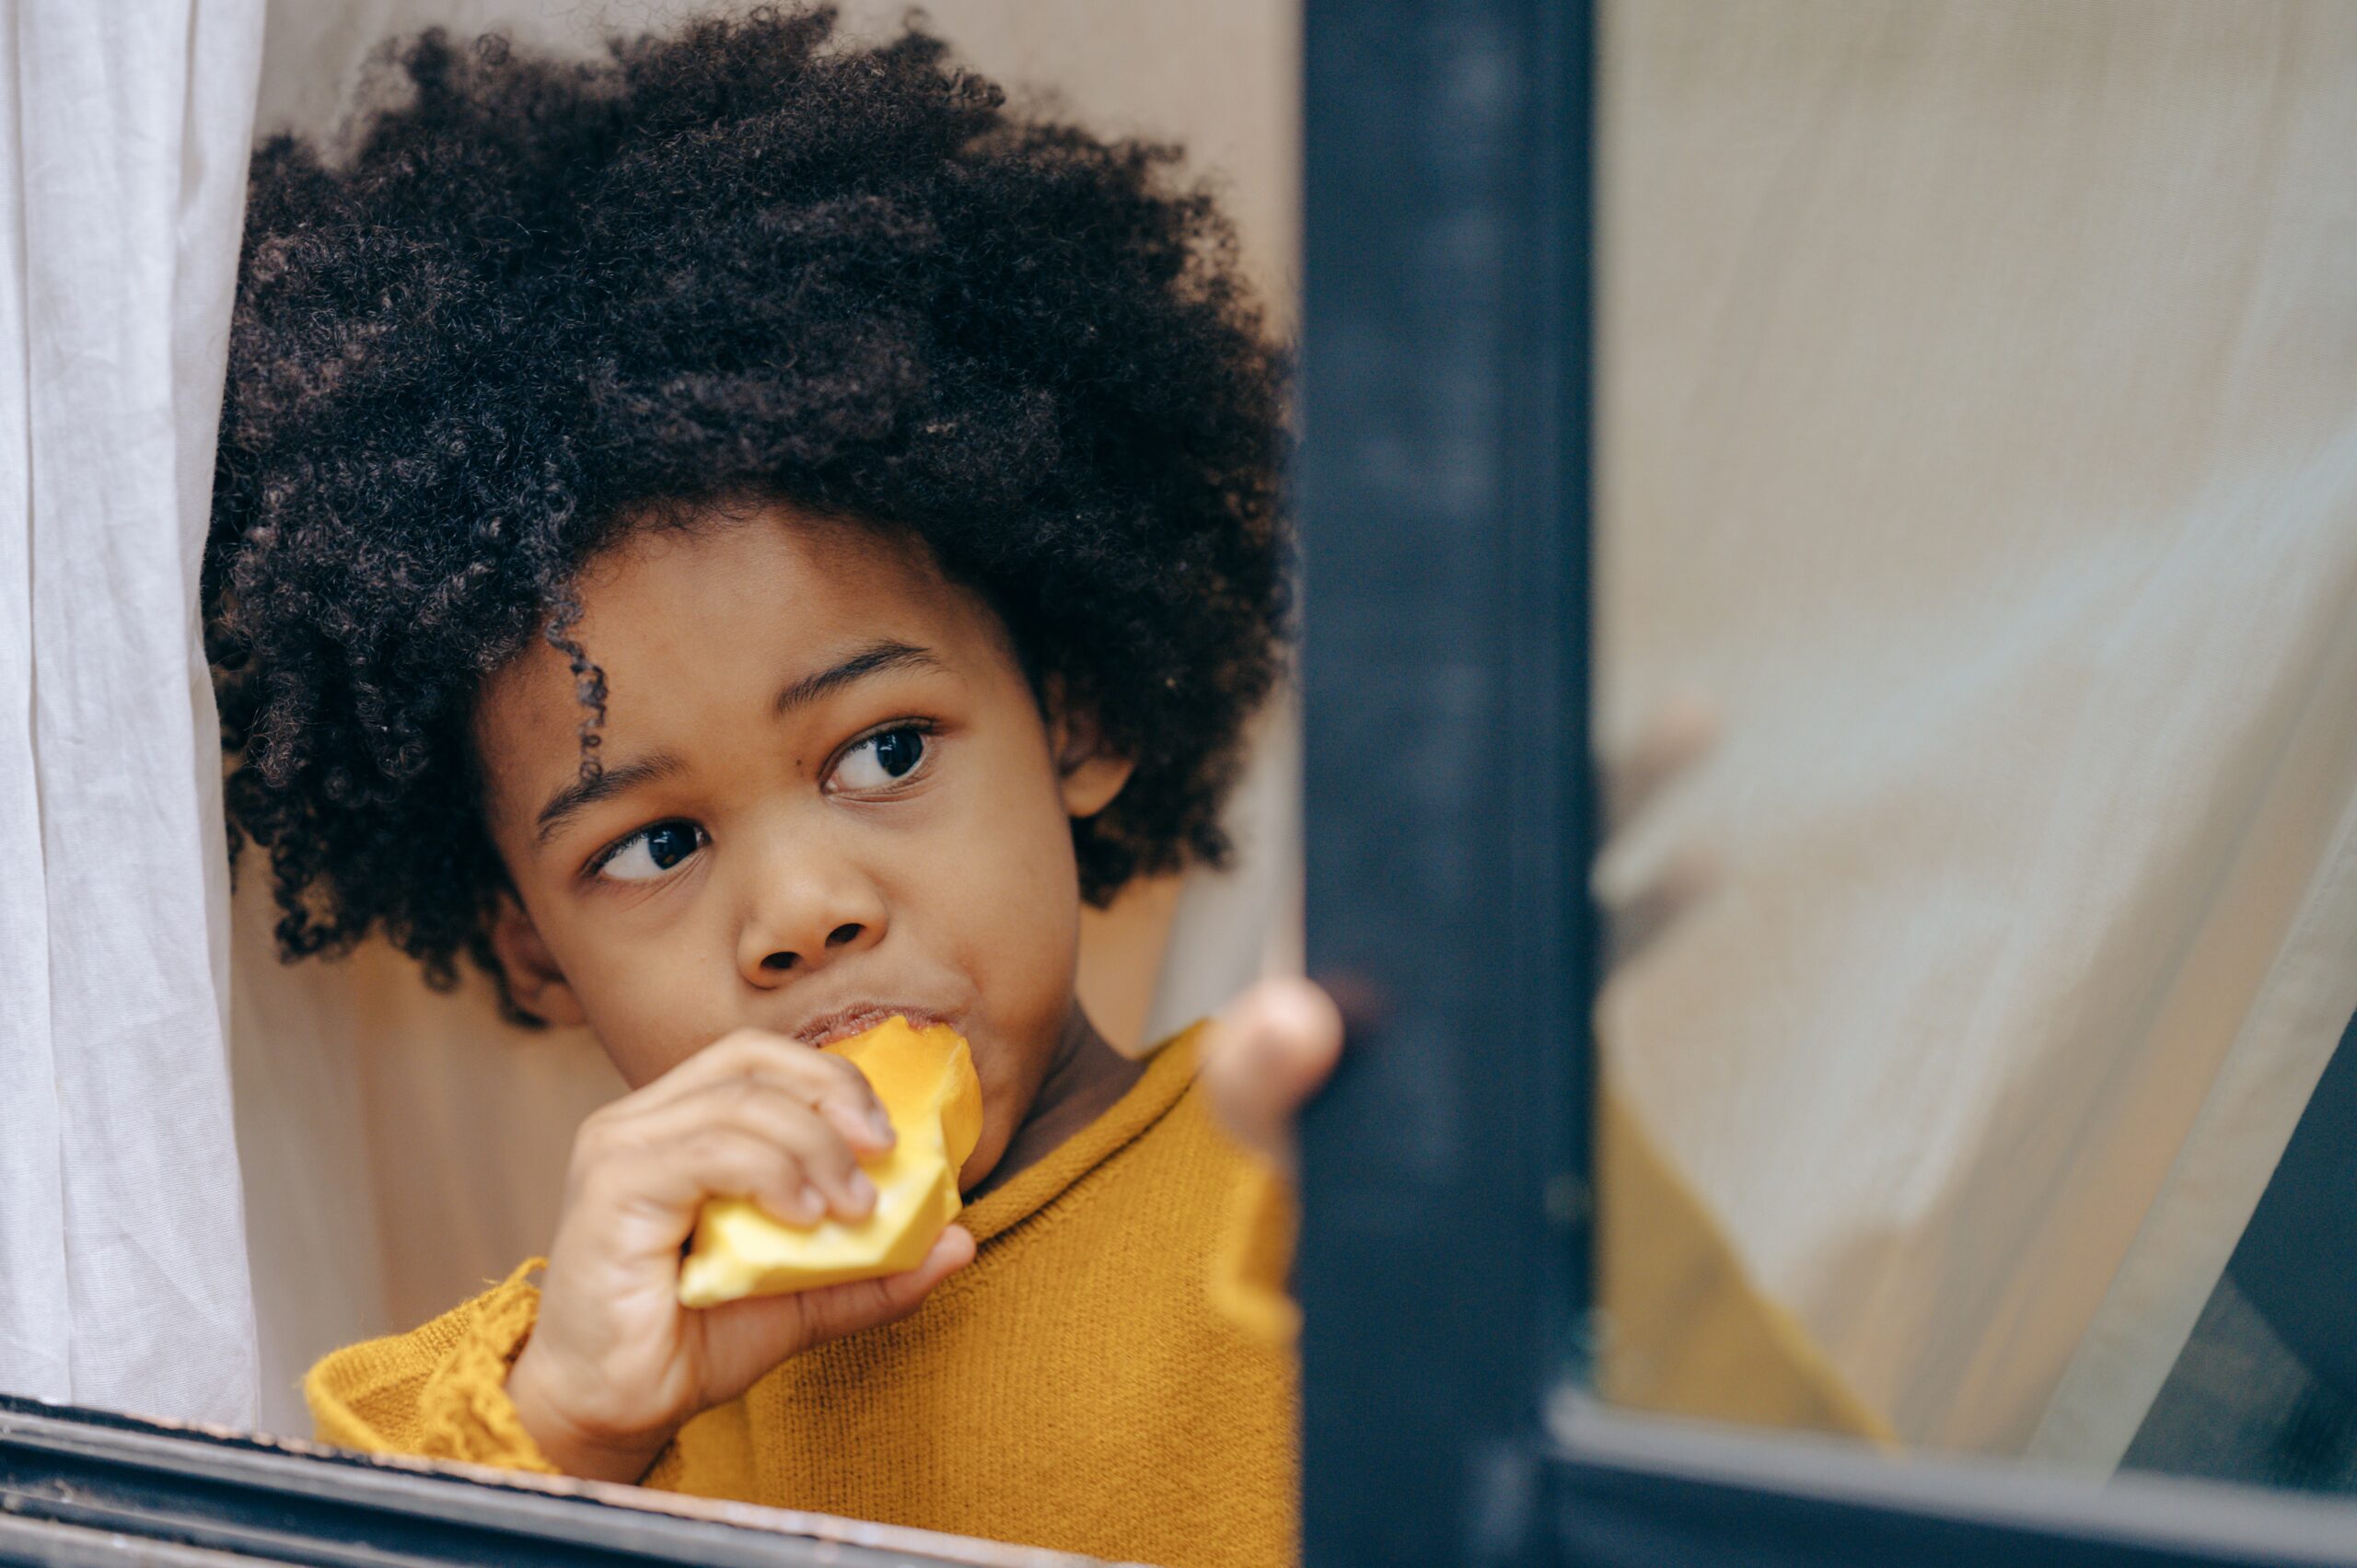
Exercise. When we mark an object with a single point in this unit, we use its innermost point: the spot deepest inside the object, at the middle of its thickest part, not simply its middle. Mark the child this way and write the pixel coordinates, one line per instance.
(737, 542)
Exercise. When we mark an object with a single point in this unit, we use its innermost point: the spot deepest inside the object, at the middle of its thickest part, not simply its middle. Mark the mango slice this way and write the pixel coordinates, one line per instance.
(926, 1078)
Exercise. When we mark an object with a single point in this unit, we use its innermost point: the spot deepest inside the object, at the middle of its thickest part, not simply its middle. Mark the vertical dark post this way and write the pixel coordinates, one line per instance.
(1443, 494)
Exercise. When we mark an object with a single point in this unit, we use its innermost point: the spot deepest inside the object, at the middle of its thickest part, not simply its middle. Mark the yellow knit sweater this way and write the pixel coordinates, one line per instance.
(1113, 1375)
(1075, 1386)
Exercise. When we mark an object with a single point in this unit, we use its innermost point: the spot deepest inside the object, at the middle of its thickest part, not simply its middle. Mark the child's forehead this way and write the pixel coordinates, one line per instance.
(713, 613)
(763, 578)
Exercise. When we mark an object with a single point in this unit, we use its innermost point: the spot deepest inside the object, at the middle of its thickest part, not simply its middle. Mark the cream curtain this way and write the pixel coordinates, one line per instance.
(123, 132)
(1981, 429)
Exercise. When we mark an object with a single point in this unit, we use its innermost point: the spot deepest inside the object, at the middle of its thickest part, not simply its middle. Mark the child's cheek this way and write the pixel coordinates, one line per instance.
(645, 1020)
(1023, 963)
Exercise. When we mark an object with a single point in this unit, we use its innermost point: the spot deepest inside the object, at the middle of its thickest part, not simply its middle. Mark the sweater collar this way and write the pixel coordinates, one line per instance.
(1167, 1077)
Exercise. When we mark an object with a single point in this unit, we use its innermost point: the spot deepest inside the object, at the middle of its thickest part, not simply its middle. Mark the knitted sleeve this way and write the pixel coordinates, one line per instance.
(1251, 1269)
(1692, 1334)
(438, 1392)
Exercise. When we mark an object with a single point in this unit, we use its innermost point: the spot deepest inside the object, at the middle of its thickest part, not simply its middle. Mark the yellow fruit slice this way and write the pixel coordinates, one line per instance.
(926, 1078)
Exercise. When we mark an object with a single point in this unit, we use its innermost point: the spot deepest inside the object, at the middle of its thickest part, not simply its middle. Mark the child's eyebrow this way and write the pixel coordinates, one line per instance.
(582, 793)
(869, 660)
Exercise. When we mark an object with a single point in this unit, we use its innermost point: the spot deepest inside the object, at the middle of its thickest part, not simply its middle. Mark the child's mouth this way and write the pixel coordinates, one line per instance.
(845, 1022)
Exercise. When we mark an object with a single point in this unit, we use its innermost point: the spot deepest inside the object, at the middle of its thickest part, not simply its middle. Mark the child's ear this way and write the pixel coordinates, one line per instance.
(1090, 775)
(534, 983)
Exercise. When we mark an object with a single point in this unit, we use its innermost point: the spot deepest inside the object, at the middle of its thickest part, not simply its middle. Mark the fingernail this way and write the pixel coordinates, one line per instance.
(814, 1202)
(881, 1125)
(863, 1190)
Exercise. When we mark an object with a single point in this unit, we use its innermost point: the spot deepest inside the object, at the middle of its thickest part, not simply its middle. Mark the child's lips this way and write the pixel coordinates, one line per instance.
(845, 1022)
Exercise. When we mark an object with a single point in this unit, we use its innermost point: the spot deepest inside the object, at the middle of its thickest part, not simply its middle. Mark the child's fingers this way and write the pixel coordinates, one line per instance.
(836, 1310)
(784, 1158)
(1678, 735)
(827, 1082)
(827, 1162)
(1274, 1047)
(1640, 906)
(744, 1338)
(644, 1200)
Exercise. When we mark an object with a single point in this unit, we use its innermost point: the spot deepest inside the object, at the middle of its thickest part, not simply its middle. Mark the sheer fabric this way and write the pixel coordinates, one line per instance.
(1981, 429)
(123, 134)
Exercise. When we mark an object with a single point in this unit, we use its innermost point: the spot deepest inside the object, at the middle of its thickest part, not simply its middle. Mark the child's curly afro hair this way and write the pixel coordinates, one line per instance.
(539, 298)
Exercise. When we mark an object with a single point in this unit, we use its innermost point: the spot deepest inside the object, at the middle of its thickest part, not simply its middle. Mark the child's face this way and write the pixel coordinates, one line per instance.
(828, 795)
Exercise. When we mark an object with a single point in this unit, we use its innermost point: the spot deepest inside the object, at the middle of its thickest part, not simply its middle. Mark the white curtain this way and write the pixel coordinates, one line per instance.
(1980, 428)
(124, 134)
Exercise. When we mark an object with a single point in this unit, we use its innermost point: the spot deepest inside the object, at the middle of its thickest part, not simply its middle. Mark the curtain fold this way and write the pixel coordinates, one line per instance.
(1980, 426)
(123, 137)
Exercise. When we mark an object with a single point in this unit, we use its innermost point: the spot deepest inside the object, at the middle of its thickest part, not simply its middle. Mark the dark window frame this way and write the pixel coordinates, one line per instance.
(1443, 497)
(1450, 813)
(81, 1486)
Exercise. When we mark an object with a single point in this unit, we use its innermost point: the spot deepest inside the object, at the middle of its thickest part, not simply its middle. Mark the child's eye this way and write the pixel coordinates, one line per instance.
(880, 761)
(651, 852)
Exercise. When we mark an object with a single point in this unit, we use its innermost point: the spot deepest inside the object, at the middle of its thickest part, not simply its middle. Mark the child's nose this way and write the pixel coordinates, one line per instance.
(805, 922)
(783, 960)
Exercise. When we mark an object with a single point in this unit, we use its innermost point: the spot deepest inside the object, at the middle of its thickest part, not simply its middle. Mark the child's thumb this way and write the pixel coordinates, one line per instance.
(745, 1339)
(832, 1311)
(1273, 1048)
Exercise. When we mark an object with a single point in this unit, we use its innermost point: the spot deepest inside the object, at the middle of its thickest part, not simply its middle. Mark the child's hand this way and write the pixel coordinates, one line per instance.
(615, 1364)
(1273, 1048)
(1277, 1043)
